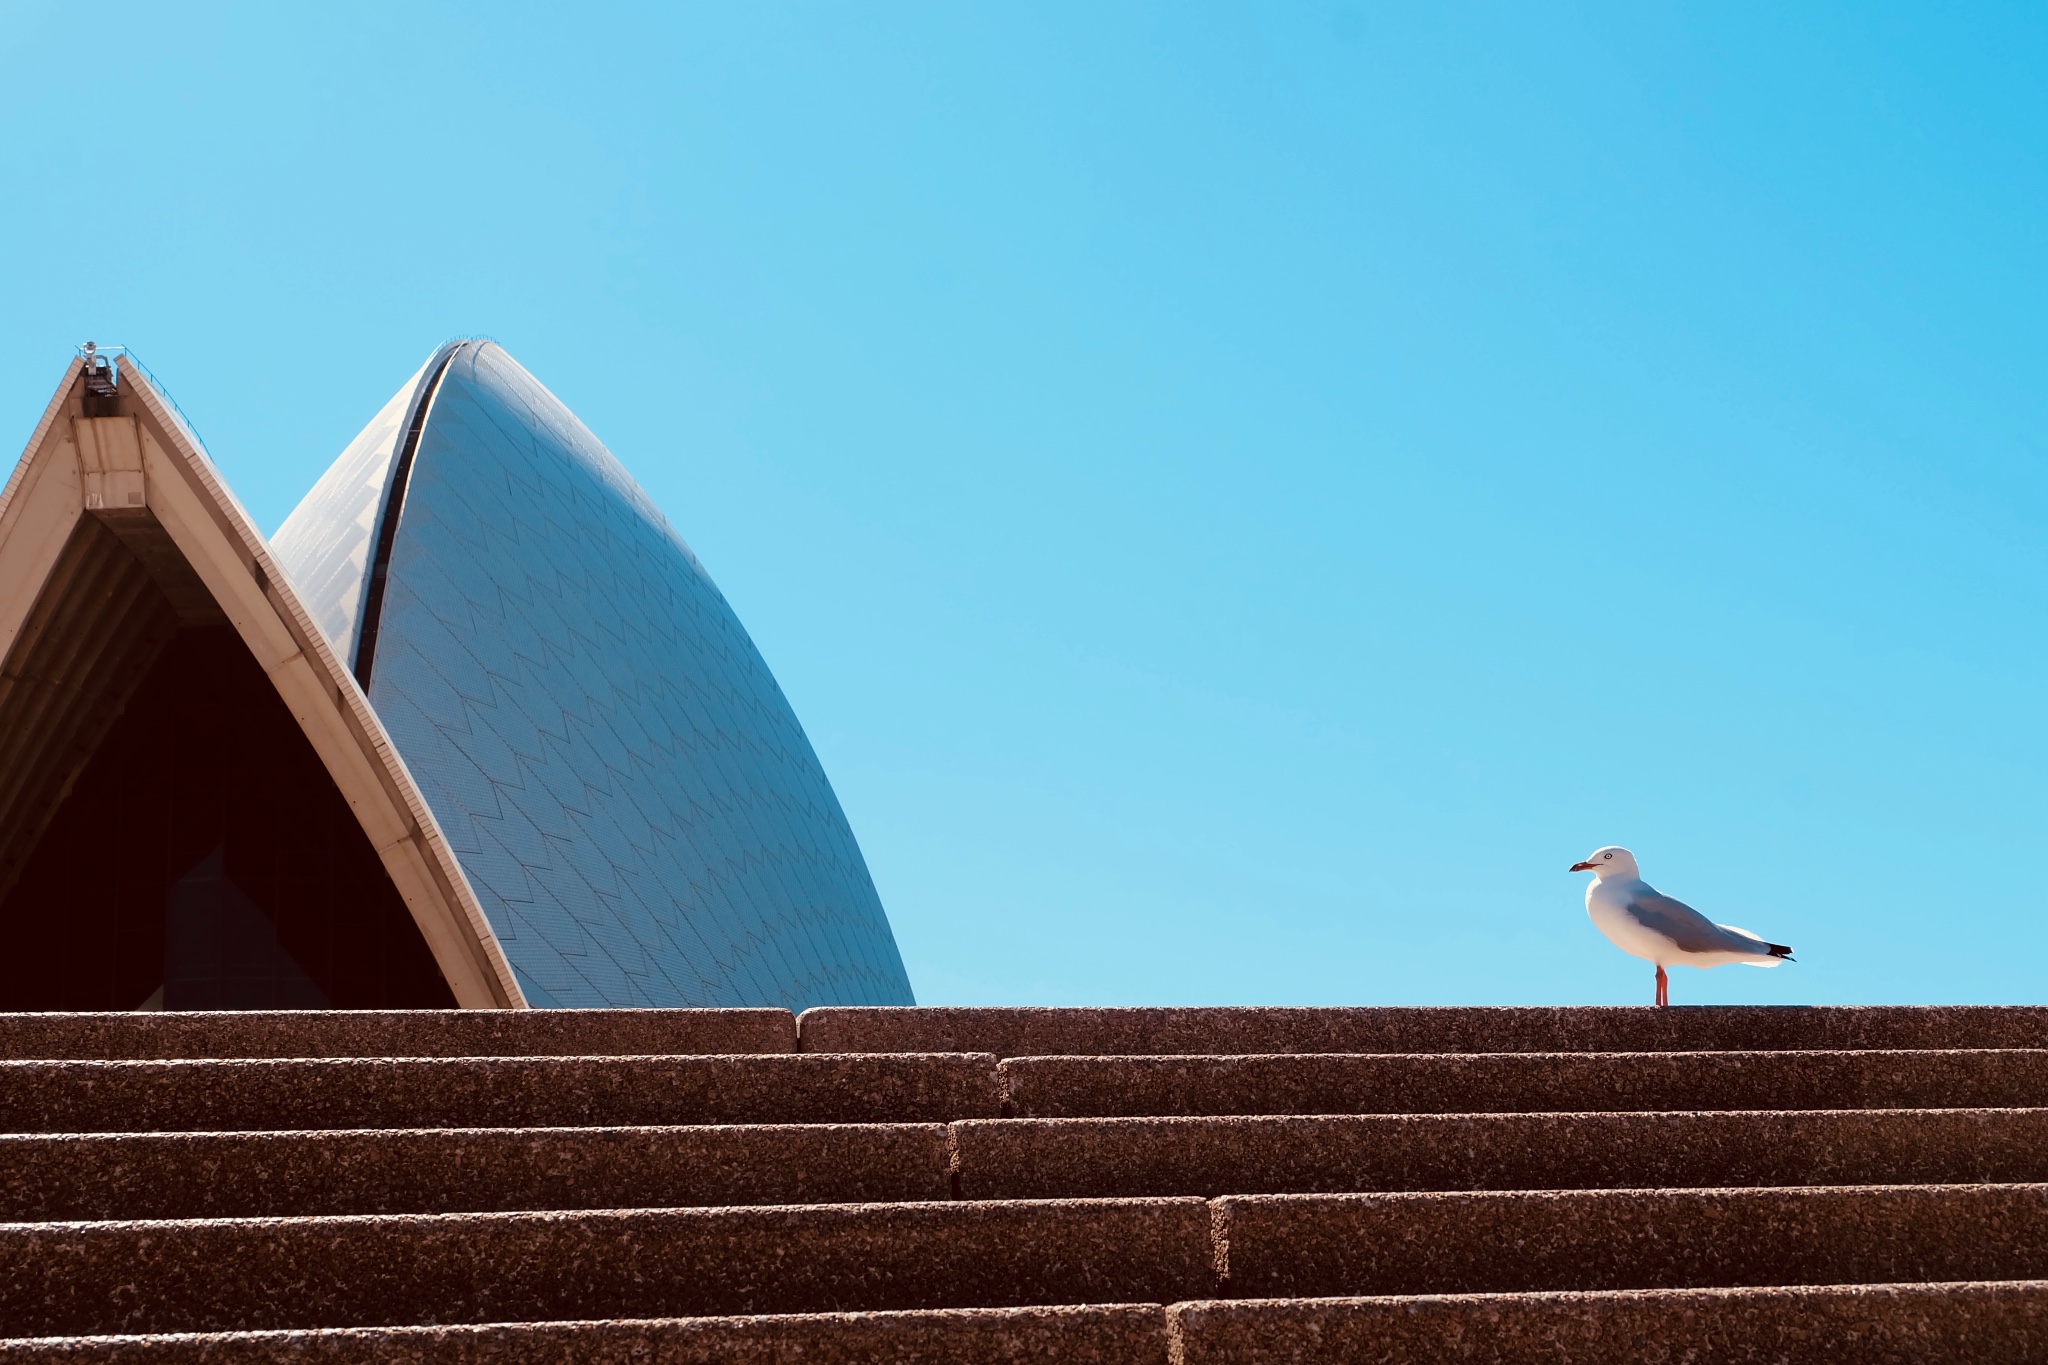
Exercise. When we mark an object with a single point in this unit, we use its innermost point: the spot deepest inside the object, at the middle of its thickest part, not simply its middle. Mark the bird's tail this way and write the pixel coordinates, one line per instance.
(1772, 954)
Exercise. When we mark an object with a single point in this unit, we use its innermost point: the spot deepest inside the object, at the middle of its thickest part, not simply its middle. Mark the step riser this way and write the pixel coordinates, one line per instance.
(397, 1033)
(1090, 1087)
(1122, 1158)
(1163, 1031)
(1298, 1247)
(478, 1170)
(1912, 1324)
(246, 1096)
(61, 1279)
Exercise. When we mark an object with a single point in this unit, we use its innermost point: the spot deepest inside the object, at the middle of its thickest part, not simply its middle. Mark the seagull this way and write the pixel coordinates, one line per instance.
(1644, 922)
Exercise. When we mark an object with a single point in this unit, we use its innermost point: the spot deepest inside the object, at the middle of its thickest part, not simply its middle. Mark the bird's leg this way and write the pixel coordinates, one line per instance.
(1663, 986)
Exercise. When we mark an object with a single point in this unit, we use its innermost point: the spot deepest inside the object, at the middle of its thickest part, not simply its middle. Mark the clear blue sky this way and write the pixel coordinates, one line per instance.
(1240, 496)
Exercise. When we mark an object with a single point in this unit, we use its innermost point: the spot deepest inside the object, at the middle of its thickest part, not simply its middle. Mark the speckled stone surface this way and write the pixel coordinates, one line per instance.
(1506, 1083)
(1906, 1324)
(657, 1186)
(1042, 1158)
(237, 1175)
(234, 1274)
(1222, 1031)
(491, 1092)
(396, 1033)
(1111, 1334)
(1289, 1246)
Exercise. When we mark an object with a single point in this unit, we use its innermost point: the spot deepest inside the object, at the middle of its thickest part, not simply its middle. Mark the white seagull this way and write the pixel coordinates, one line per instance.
(1644, 922)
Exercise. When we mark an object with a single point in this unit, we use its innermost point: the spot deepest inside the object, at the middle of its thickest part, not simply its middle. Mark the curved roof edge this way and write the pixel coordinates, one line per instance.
(340, 535)
(392, 508)
(155, 473)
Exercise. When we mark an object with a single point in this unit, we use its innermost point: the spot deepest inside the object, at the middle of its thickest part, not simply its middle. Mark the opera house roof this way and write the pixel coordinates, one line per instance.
(475, 727)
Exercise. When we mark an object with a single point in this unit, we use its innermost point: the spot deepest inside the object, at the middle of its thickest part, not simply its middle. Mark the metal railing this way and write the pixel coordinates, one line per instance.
(109, 360)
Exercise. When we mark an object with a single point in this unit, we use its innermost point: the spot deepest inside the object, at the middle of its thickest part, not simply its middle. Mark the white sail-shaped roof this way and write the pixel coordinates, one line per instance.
(119, 540)
(642, 818)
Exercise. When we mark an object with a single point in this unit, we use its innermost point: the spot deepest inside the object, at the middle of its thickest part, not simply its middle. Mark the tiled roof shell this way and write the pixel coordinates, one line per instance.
(627, 788)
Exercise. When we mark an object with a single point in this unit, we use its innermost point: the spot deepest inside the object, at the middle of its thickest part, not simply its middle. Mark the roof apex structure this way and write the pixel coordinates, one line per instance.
(121, 457)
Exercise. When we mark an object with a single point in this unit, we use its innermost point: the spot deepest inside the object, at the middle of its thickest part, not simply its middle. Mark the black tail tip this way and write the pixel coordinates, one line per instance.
(1780, 950)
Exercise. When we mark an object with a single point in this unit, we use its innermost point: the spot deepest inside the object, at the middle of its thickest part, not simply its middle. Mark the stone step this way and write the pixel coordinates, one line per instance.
(1012, 1032)
(475, 1170)
(1110, 1334)
(1238, 1031)
(253, 1274)
(1527, 1082)
(394, 1033)
(1969, 1323)
(492, 1092)
(75, 1279)
(259, 1094)
(215, 1175)
(1881, 1324)
(1120, 1158)
(931, 1184)
(1304, 1246)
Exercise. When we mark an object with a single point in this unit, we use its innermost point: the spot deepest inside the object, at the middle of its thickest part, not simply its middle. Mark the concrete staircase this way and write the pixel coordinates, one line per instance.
(962, 1186)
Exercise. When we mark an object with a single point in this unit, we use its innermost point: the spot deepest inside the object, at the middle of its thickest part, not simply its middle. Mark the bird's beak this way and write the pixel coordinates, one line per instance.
(1582, 867)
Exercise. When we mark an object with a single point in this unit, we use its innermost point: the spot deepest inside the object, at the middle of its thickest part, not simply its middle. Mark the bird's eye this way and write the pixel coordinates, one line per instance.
(1608, 856)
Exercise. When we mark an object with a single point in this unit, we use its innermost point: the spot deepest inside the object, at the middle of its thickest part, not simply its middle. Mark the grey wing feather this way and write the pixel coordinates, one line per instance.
(1687, 927)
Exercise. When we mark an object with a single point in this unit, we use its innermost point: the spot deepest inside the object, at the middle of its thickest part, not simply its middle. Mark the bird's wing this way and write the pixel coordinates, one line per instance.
(1685, 926)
